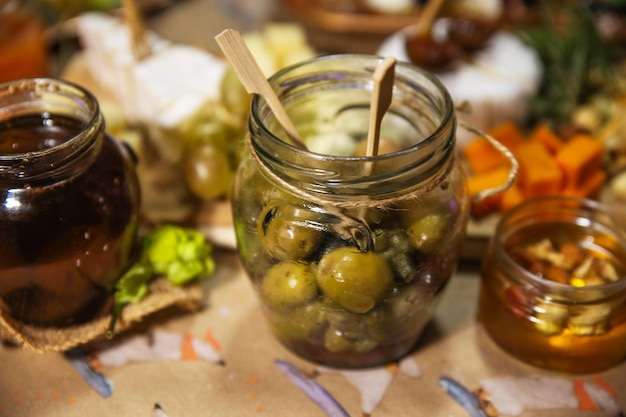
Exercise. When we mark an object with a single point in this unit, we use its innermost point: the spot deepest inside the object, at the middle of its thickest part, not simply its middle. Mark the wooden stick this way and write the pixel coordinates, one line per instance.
(427, 17)
(381, 100)
(247, 69)
(139, 43)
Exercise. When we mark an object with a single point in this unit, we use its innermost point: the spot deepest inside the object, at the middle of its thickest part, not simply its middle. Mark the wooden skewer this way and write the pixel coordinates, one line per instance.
(427, 17)
(247, 69)
(381, 100)
(139, 43)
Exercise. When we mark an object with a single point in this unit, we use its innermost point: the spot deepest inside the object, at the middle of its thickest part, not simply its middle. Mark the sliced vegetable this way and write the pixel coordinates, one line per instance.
(483, 181)
(482, 156)
(540, 172)
(581, 156)
(549, 165)
(544, 134)
(590, 186)
(511, 197)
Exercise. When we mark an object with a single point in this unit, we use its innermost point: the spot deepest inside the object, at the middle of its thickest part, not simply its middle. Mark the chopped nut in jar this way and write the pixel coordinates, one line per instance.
(571, 264)
(567, 263)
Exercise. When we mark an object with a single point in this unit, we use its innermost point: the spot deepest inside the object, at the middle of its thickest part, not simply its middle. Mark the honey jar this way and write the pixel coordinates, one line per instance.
(69, 204)
(553, 289)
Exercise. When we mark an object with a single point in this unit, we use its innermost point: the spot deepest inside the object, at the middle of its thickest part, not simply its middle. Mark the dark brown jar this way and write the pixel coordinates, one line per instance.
(70, 204)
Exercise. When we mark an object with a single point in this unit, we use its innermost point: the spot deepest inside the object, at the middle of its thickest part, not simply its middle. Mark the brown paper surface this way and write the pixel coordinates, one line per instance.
(249, 383)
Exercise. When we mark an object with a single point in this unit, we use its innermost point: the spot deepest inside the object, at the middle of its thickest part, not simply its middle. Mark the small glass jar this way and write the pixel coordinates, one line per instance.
(70, 204)
(553, 290)
(349, 254)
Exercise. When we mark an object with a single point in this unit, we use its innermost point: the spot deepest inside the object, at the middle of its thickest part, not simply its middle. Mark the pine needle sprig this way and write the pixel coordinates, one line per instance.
(575, 61)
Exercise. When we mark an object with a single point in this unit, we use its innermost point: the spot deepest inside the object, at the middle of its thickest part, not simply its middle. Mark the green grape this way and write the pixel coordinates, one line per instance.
(234, 96)
(66, 9)
(207, 171)
(355, 280)
(288, 284)
(205, 125)
(103, 4)
(288, 231)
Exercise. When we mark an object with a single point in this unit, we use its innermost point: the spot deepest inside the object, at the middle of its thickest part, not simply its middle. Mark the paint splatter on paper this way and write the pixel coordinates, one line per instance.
(463, 396)
(156, 346)
(158, 411)
(79, 360)
(512, 395)
(372, 384)
(312, 389)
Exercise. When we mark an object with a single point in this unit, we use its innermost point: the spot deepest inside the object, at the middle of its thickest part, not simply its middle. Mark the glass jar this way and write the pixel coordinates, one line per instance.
(544, 296)
(23, 44)
(350, 253)
(70, 204)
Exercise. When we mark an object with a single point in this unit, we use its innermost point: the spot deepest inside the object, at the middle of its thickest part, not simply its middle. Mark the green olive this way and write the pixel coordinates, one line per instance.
(427, 233)
(395, 247)
(354, 332)
(408, 311)
(299, 323)
(288, 284)
(334, 341)
(289, 232)
(355, 280)
(263, 192)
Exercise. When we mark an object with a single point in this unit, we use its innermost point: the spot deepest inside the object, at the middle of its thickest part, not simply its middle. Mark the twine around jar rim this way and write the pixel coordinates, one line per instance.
(369, 203)
(362, 203)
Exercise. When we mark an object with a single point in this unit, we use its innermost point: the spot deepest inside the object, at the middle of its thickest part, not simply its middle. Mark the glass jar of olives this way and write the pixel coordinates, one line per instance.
(350, 253)
(553, 289)
(70, 204)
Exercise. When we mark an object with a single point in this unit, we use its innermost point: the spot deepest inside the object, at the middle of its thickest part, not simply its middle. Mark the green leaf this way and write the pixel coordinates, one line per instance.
(181, 255)
(133, 285)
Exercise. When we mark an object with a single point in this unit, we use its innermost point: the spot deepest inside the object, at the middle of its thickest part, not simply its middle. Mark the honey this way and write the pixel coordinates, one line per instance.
(573, 322)
(70, 203)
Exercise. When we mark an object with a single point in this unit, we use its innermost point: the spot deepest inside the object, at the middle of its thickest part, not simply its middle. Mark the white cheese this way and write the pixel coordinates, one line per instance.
(390, 6)
(162, 90)
(107, 48)
(173, 83)
(498, 81)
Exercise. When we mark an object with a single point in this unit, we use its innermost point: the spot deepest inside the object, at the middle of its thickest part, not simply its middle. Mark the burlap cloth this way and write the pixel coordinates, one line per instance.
(161, 296)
